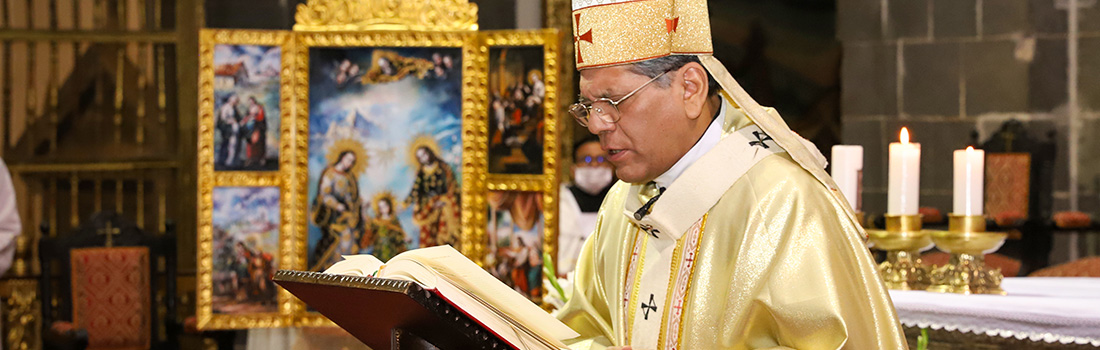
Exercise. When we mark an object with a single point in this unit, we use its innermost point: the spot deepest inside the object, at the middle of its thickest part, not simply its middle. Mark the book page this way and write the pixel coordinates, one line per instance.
(363, 265)
(466, 275)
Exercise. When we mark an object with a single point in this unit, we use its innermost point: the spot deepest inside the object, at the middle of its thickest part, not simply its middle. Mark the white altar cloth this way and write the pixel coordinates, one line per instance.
(1049, 309)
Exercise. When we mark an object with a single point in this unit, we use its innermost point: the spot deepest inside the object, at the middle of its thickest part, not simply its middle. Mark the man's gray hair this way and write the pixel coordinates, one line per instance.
(653, 67)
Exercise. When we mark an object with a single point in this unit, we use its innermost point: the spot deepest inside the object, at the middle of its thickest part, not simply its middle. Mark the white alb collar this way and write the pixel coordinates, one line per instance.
(705, 143)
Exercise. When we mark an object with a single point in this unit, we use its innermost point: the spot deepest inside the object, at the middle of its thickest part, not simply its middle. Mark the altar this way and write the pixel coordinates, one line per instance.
(1036, 313)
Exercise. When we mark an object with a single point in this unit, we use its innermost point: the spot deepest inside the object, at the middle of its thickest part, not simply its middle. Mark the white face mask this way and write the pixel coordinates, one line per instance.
(592, 180)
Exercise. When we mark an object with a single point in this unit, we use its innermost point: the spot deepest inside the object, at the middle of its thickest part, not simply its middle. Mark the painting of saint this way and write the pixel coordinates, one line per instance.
(384, 236)
(335, 209)
(246, 107)
(246, 249)
(516, 233)
(516, 110)
(434, 196)
(400, 110)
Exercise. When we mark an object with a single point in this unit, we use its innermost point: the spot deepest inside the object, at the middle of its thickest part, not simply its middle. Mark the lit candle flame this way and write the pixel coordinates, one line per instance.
(904, 135)
(969, 149)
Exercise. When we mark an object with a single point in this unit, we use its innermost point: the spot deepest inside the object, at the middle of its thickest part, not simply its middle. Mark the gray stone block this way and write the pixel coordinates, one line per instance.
(859, 20)
(938, 141)
(931, 79)
(995, 80)
(874, 202)
(943, 202)
(1087, 73)
(1047, 75)
(954, 18)
(1046, 18)
(1004, 16)
(1088, 19)
(868, 133)
(907, 19)
(1088, 171)
(869, 80)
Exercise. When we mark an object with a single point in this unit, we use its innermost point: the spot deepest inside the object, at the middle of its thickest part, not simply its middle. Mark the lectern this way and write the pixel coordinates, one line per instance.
(390, 314)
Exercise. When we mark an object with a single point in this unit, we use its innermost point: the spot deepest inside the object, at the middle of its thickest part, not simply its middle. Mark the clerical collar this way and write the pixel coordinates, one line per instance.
(705, 143)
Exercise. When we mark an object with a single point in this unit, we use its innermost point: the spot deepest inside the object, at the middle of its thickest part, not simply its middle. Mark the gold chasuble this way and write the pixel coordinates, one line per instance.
(751, 247)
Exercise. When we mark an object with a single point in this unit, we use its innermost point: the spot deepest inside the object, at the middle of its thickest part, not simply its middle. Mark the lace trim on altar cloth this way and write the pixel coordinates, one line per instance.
(1000, 328)
(1054, 310)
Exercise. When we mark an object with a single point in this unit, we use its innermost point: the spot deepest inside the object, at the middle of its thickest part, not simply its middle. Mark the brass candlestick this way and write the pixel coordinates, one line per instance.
(903, 240)
(966, 273)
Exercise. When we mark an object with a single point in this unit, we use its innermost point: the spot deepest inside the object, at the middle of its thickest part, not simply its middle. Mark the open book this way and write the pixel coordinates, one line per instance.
(469, 288)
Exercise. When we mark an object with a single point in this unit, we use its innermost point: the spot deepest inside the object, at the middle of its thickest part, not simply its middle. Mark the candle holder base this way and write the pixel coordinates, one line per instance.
(966, 272)
(903, 240)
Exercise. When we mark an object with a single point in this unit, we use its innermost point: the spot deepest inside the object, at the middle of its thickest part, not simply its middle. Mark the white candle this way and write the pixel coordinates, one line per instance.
(903, 193)
(969, 181)
(847, 171)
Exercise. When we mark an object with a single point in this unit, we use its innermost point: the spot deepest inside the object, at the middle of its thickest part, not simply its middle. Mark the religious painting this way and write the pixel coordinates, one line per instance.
(516, 233)
(522, 100)
(385, 149)
(517, 91)
(245, 223)
(245, 94)
(245, 87)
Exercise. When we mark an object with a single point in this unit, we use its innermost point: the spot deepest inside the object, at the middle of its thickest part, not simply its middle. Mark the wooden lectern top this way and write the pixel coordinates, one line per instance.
(380, 311)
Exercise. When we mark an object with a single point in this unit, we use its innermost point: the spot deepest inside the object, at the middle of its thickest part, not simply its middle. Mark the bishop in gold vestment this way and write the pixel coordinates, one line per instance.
(726, 232)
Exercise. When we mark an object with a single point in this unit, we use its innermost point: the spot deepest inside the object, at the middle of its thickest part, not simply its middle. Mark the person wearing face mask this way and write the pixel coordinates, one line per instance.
(593, 176)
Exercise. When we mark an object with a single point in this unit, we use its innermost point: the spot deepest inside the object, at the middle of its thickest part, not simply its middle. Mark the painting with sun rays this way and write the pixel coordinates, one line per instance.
(385, 150)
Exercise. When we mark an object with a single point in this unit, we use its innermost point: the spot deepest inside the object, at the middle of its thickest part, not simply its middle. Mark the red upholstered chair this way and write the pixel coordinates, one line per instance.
(106, 285)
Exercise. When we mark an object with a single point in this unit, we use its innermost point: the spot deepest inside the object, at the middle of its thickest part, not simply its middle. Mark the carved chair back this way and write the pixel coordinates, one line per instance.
(106, 280)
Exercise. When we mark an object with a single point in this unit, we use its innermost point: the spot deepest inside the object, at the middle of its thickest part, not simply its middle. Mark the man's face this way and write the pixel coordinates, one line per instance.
(652, 132)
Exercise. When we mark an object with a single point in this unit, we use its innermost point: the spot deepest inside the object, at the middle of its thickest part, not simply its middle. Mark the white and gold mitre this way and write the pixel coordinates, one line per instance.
(610, 32)
(613, 32)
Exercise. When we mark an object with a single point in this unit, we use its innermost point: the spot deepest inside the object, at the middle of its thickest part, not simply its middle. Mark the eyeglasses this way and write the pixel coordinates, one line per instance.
(590, 160)
(604, 108)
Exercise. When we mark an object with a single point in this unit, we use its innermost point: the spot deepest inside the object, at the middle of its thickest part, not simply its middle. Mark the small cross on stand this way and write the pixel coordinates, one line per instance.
(110, 232)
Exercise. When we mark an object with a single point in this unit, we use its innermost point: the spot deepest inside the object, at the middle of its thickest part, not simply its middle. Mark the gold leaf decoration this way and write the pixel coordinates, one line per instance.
(360, 15)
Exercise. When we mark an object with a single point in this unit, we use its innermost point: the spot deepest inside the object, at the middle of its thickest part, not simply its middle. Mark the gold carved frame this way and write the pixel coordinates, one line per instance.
(471, 135)
(545, 183)
(369, 23)
(208, 179)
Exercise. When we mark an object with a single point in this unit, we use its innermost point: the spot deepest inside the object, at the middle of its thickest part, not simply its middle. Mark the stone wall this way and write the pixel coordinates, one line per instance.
(947, 68)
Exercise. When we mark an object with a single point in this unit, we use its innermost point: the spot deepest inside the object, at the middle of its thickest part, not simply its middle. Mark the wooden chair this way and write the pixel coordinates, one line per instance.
(108, 286)
(1019, 191)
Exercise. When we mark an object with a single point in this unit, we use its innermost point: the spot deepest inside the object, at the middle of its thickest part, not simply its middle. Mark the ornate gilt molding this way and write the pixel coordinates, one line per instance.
(547, 182)
(21, 313)
(208, 178)
(360, 15)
